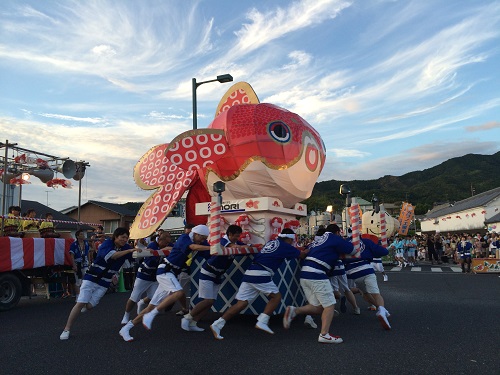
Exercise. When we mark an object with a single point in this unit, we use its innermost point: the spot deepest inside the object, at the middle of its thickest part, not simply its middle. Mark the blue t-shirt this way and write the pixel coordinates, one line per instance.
(323, 255)
(103, 260)
(359, 267)
(464, 249)
(268, 261)
(76, 251)
(148, 266)
(217, 265)
(176, 261)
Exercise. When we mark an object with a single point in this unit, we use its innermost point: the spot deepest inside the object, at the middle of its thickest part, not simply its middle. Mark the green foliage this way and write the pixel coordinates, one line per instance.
(449, 181)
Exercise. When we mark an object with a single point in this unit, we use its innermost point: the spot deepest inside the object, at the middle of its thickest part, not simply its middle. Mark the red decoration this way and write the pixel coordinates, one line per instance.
(276, 223)
(55, 182)
(18, 181)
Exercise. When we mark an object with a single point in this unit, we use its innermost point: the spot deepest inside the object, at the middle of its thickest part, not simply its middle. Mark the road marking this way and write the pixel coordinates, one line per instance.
(456, 269)
(396, 269)
(416, 269)
(433, 269)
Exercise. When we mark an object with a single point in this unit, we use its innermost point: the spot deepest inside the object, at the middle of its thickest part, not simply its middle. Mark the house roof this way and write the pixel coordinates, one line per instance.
(127, 209)
(493, 219)
(479, 200)
(42, 209)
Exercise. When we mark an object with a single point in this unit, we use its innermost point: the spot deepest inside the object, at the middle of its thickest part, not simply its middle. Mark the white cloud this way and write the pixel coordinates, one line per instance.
(348, 153)
(265, 27)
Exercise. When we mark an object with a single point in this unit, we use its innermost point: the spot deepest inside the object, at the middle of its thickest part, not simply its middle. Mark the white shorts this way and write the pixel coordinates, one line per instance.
(91, 292)
(208, 289)
(143, 288)
(351, 283)
(250, 291)
(167, 284)
(318, 292)
(340, 283)
(379, 267)
(400, 253)
(411, 253)
(368, 284)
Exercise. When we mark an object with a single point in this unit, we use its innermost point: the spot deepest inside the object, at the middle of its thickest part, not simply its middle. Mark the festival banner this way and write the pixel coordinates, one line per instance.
(405, 218)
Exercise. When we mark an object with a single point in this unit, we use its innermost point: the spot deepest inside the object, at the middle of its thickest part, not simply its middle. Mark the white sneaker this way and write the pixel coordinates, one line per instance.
(125, 333)
(193, 327)
(309, 322)
(264, 327)
(386, 278)
(327, 339)
(185, 324)
(64, 335)
(382, 318)
(336, 313)
(147, 320)
(140, 306)
(288, 317)
(216, 331)
(357, 311)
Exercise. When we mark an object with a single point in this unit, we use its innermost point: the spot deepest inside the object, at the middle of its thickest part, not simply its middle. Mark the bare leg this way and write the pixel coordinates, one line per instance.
(201, 308)
(274, 301)
(326, 319)
(238, 307)
(75, 311)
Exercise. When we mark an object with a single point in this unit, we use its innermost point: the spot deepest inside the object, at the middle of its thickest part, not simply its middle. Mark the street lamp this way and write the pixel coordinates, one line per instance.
(222, 79)
(345, 191)
(330, 210)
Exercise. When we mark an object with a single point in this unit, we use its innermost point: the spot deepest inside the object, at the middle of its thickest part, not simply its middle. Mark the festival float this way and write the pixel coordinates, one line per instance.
(268, 159)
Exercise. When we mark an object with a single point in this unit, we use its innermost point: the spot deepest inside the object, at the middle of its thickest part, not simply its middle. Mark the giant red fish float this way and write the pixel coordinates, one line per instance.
(257, 149)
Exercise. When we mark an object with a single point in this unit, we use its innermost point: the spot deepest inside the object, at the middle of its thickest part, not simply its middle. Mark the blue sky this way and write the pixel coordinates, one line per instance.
(391, 86)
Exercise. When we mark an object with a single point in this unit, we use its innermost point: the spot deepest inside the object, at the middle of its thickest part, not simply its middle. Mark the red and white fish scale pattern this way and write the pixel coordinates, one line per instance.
(236, 97)
(157, 171)
(197, 151)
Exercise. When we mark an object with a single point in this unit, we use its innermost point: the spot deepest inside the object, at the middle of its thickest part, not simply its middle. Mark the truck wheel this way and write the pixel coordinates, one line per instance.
(10, 291)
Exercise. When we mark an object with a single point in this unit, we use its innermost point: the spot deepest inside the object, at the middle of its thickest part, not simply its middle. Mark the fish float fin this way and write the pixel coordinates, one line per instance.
(155, 172)
(196, 149)
(239, 93)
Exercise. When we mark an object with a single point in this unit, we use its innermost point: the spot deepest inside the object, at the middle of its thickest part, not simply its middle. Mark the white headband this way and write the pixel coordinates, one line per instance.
(292, 236)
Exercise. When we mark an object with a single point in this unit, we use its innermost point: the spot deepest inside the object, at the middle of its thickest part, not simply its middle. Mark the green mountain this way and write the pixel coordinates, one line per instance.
(450, 181)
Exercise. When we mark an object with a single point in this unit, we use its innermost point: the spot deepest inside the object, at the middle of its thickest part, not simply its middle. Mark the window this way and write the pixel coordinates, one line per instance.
(110, 226)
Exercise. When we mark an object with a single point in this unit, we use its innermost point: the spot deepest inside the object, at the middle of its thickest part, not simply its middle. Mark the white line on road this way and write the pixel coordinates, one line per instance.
(416, 269)
(433, 269)
(396, 269)
(456, 269)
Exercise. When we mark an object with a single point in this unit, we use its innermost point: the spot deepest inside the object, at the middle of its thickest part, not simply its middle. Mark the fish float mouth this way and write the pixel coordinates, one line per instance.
(311, 152)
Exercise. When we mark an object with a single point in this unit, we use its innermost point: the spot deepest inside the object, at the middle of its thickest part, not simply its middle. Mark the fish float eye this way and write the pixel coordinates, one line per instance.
(279, 131)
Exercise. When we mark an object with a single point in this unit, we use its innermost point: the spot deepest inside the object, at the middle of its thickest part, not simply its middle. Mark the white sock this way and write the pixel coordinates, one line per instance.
(220, 322)
(154, 312)
(126, 316)
(188, 316)
(263, 318)
(129, 325)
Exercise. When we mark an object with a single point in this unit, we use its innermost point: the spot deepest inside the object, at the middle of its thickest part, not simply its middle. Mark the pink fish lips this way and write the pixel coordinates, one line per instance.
(257, 149)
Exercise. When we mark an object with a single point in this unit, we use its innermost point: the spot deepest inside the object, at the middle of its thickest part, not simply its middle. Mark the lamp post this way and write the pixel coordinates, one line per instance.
(345, 191)
(329, 209)
(222, 79)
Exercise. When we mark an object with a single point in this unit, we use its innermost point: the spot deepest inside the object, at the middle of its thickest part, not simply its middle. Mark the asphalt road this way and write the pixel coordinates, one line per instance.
(443, 323)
